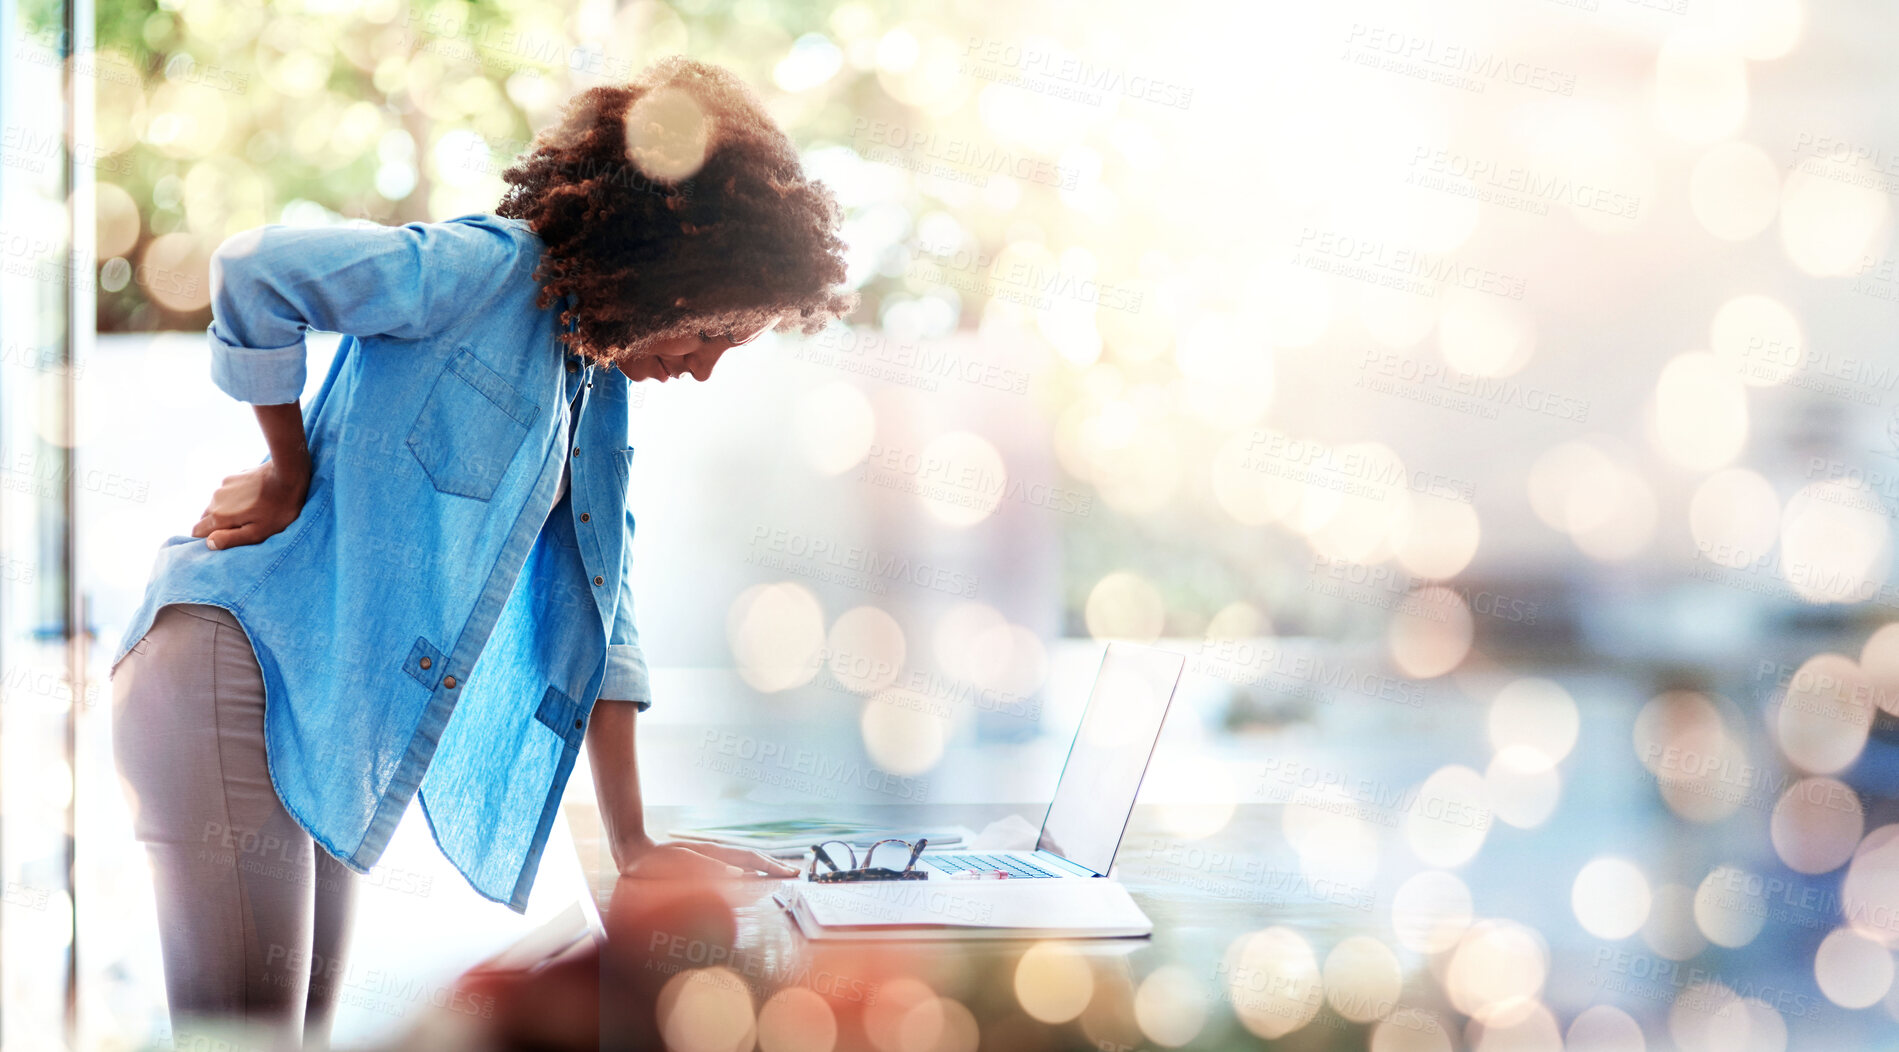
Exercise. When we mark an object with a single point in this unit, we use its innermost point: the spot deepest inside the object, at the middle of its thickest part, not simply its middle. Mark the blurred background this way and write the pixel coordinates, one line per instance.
(1495, 401)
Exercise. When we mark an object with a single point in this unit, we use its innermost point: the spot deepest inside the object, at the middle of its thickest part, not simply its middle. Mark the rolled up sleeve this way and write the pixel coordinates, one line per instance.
(626, 676)
(260, 376)
(271, 283)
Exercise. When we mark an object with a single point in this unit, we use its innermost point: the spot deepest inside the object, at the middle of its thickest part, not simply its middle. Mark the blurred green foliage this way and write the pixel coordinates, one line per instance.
(213, 118)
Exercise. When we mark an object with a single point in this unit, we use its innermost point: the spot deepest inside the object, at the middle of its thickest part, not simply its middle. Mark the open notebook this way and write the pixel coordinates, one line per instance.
(977, 909)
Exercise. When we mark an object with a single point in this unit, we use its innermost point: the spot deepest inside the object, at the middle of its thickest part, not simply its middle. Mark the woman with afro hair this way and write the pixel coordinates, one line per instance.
(423, 590)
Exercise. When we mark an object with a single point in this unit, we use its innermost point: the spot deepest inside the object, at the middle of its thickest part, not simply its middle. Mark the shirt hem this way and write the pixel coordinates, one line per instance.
(266, 666)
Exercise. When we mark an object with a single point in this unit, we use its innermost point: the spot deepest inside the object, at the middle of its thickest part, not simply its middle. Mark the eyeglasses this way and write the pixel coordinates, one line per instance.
(866, 871)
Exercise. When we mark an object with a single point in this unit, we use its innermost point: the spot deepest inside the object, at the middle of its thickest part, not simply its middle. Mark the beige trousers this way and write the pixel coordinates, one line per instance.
(253, 915)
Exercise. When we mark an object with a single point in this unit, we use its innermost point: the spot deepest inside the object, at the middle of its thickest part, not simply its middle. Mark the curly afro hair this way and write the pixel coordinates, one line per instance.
(674, 205)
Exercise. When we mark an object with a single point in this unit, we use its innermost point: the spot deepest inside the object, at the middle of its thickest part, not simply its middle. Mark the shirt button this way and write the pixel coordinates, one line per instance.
(599, 580)
(449, 682)
(426, 662)
(577, 724)
(576, 451)
(584, 516)
(573, 366)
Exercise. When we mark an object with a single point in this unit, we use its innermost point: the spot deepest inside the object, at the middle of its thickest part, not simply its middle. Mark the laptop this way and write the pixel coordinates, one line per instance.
(1100, 779)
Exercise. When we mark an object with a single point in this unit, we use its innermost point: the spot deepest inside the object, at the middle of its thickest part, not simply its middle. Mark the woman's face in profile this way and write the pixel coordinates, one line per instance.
(693, 356)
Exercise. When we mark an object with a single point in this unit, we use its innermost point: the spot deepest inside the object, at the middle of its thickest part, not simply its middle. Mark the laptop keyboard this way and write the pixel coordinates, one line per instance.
(961, 863)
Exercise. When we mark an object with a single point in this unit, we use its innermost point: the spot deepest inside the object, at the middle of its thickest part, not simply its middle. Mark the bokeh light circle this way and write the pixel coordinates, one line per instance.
(1879, 663)
(1816, 825)
(1536, 713)
(1450, 817)
(1124, 605)
(1734, 517)
(1835, 542)
(1430, 632)
(1496, 972)
(1852, 970)
(1822, 717)
(1362, 979)
(1693, 744)
(1701, 419)
(1170, 1006)
(1604, 1028)
(1869, 896)
(1828, 226)
(866, 649)
(1671, 930)
(1610, 898)
(1758, 338)
(960, 478)
(796, 1019)
(1731, 906)
(905, 732)
(776, 632)
(1053, 982)
(706, 1010)
(1273, 981)
(1522, 785)
(667, 134)
(1430, 911)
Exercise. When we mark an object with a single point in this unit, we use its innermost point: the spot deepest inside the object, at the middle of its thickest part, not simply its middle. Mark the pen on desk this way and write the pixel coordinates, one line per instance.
(981, 874)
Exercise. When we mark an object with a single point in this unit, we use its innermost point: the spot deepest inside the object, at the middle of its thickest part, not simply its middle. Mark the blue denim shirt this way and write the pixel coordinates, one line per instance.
(433, 623)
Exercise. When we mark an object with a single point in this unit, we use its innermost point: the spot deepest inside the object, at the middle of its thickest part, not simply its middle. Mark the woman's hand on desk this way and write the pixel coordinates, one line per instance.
(252, 505)
(676, 859)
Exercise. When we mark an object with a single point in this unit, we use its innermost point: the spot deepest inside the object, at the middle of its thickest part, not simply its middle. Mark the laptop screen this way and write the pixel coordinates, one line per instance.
(1110, 753)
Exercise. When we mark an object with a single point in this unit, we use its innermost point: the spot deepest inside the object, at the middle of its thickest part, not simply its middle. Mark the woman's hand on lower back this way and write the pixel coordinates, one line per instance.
(253, 505)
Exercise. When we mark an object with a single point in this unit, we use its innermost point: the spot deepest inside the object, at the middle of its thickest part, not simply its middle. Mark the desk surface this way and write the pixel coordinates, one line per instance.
(1203, 895)
(1358, 890)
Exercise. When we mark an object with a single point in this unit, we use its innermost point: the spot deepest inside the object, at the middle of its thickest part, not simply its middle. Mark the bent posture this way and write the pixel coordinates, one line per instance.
(423, 592)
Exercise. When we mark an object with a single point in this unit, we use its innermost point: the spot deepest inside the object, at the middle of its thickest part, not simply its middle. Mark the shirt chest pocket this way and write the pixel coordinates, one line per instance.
(472, 424)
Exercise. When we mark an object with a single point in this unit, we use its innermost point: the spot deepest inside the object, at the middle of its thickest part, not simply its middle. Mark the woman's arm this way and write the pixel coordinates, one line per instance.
(616, 782)
(616, 779)
(271, 283)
